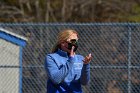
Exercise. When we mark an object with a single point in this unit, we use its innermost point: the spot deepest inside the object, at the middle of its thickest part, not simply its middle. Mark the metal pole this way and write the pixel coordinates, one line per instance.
(129, 58)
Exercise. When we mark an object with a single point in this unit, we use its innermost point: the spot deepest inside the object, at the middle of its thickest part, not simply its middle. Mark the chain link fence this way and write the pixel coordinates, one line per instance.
(115, 48)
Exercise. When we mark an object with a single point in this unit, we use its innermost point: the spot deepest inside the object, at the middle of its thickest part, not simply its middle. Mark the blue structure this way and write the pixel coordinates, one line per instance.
(11, 46)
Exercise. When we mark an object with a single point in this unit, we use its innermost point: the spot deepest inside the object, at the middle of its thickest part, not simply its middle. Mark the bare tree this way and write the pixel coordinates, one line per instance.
(38, 11)
(64, 10)
(48, 9)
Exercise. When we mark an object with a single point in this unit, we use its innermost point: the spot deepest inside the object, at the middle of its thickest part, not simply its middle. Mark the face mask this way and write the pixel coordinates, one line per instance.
(74, 43)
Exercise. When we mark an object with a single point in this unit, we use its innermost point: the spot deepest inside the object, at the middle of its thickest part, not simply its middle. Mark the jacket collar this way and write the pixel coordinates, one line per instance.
(62, 53)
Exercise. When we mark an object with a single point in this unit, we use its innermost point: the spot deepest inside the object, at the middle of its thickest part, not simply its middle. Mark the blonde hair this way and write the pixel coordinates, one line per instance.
(63, 36)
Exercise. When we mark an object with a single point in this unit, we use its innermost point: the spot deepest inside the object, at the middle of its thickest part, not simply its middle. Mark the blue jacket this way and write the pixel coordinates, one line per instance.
(66, 74)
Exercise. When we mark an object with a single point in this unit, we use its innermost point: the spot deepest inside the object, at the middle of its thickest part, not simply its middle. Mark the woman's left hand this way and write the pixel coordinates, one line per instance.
(87, 59)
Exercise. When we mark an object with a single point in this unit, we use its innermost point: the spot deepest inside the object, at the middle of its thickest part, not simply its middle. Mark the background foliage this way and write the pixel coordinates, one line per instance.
(70, 10)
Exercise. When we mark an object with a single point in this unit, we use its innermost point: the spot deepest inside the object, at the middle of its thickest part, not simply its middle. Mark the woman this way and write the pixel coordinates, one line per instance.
(66, 70)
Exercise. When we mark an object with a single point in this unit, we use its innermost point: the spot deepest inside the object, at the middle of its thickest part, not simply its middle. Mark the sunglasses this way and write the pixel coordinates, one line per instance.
(73, 41)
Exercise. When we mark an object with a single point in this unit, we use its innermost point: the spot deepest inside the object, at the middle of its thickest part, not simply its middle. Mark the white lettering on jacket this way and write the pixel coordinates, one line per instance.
(78, 65)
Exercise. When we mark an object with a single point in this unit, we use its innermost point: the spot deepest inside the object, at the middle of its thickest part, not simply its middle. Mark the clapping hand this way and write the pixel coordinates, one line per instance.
(72, 53)
(87, 59)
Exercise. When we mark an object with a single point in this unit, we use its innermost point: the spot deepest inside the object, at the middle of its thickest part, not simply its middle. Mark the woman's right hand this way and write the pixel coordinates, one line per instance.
(72, 53)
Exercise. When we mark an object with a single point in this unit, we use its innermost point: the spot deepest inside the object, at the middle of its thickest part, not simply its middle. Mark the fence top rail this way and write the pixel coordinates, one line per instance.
(65, 24)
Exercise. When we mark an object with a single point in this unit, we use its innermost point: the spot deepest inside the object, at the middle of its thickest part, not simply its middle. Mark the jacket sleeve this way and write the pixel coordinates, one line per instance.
(85, 74)
(57, 73)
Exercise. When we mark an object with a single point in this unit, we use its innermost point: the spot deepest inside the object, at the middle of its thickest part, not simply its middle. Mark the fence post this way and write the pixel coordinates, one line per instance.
(129, 58)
